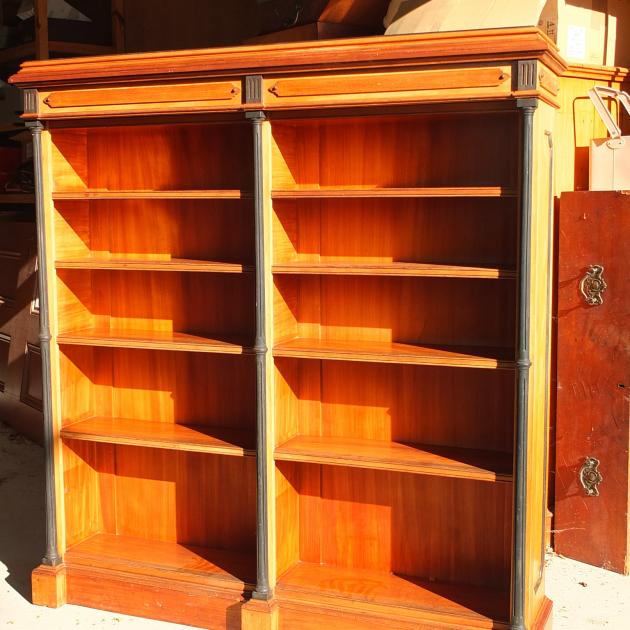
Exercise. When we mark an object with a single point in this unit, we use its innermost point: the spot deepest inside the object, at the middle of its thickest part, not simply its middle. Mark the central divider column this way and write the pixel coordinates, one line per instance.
(263, 590)
(261, 611)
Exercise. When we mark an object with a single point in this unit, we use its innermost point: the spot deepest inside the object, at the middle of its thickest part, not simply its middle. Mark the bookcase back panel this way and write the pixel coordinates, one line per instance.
(428, 310)
(156, 386)
(446, 231)
(156, 301)
(155, 229)
(406, 151)
(188, 498)
(410, 525)
(153, 157)
(426, 405)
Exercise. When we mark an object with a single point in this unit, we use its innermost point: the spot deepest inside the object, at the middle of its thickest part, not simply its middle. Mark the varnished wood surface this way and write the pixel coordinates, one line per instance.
(309, 582)
(116, 230)
(158, 496)
(123, 301)
(375, 192)
(391, 352)
(512, 43)
(433, 312)
(146, 95)
(179, 437)
(153, 386)
(151, 339)
(150, 194)
(173, 264)
(593, 377)
(173, 599)
(393, 269)
(379, 401)
(379, 231)
(396, 456)
(137, 555)
(386, 155)
(104, 161)
(365, 519)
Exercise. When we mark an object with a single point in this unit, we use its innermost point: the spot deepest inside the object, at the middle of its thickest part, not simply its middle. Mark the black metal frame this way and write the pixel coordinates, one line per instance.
(52, 557)
(523, 364)
(263, 590)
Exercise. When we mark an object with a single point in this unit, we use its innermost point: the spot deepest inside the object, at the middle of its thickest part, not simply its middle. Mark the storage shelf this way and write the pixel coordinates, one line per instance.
(392, 352)
(338, 192)
(151, 339)
(150, 194)
(144, 264)
(393, 269)
(167, 435)
(421, 459)
(165, 559)
(385, 592)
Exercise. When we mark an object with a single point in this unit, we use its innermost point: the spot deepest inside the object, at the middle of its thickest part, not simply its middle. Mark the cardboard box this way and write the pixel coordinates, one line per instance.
(586, 31)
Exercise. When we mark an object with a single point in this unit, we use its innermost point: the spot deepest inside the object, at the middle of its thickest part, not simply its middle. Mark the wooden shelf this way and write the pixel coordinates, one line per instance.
(17, 198)
(338, 192)
(151, 339)
(393, 269)
(421, 459)
(139, 264)
(149, 194)
(309, 583)
(392, 352)
(177, 437)
(157, 558)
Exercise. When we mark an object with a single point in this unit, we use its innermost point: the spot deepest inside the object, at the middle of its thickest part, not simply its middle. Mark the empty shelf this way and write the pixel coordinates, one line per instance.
(413, 458)
(167, 435)
(392, 352)
(152, 339)
(393, 269)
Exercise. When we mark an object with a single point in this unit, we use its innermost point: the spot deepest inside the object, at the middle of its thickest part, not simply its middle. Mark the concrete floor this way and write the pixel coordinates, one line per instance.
(584, 597)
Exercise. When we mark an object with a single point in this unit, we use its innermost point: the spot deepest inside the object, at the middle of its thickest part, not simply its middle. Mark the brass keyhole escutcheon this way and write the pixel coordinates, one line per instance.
(590, 477)
(593, 285)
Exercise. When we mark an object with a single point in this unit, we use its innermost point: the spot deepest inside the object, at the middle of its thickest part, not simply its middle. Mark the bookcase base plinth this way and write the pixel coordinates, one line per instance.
(176, 601)
(260, 615)
(304, 617)
(49, 586)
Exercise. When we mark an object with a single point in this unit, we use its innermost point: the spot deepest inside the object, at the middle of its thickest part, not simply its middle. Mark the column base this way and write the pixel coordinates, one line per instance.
(260, 615)
(49, 586)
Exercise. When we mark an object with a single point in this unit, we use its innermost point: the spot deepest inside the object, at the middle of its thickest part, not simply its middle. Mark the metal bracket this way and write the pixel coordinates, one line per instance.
(590, 477)
(593, 285)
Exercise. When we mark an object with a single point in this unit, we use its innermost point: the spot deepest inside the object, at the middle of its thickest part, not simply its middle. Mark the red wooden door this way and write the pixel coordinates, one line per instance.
(593, 410)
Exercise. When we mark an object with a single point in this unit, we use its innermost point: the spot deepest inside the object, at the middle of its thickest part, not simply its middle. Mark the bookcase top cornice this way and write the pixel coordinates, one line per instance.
(431, 49)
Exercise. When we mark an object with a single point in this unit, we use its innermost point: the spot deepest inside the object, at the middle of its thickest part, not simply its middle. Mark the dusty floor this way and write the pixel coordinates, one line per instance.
(584, 597)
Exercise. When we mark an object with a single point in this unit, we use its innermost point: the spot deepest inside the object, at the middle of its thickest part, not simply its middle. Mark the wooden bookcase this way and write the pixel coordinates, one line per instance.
(298, 331)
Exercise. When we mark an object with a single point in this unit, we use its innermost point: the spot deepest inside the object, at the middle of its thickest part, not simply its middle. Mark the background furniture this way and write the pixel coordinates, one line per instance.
(592, 485)
(20, 360)
(247, 252)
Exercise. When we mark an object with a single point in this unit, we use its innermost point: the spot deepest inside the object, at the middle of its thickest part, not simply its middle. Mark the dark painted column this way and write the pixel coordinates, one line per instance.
(523, 363)
(260, 348)
(52, 554)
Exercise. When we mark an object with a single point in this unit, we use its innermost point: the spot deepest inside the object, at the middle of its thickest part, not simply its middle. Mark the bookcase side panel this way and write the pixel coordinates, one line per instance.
(540, 349)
